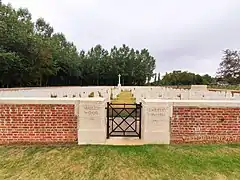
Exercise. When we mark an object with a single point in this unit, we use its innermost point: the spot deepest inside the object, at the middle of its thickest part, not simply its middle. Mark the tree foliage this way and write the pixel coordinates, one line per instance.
(156, 81)
(32, 54)
(229, 70)
(185, 78)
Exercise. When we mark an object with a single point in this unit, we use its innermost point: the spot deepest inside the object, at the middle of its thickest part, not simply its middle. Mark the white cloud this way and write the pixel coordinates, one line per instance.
(188, 35)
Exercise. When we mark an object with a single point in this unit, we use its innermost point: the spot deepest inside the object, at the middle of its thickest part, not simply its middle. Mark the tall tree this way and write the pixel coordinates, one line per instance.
(15, 38)
(32, 54)
(229, 69)
(159, 79)
(183, 78)
(155, 79)
(207, 79)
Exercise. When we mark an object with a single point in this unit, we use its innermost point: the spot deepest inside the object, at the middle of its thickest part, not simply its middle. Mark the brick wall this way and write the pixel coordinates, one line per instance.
(37, 123)
(205, 125)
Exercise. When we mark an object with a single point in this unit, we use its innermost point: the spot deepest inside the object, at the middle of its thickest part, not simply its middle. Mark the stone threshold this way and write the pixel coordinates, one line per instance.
(122, 141)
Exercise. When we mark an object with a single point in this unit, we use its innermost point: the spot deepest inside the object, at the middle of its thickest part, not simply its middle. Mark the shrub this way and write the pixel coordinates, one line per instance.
(99, 94)
(53, 96)
(91, 94)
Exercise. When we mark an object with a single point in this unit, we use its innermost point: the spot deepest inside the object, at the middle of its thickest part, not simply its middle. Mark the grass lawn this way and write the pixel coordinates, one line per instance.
(125, 97)
(120, 162)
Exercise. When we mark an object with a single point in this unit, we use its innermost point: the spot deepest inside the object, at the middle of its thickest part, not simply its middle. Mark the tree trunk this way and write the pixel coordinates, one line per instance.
(40, 81)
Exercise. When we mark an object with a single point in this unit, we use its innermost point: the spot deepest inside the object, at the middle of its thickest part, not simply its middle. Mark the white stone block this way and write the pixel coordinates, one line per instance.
(156, 122)
(92, 121)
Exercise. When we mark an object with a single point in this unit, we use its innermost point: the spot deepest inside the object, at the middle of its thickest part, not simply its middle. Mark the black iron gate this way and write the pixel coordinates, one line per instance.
(124, 120)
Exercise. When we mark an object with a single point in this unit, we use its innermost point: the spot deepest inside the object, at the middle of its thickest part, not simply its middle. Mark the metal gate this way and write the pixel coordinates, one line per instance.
(123, 120)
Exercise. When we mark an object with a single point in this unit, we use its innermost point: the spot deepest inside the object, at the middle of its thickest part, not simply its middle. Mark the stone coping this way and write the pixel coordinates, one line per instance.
(195, 103)
(33, 100)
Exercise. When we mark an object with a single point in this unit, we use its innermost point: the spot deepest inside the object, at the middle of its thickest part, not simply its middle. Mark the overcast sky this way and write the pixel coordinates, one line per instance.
(181, 34)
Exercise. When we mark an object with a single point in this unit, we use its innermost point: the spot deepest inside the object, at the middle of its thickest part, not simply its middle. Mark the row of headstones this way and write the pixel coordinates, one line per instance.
(115, 91)
(179, 94)
(61, 92)
(109, 93)
(83, 92)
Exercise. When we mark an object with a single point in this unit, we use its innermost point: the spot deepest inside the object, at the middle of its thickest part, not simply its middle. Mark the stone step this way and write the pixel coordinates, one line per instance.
(124, 141)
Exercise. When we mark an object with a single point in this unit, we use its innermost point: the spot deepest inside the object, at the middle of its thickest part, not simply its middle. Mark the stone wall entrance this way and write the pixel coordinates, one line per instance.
(155, 121)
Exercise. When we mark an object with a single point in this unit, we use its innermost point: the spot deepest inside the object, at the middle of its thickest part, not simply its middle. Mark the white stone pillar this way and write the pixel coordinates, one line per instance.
(156, 116)
(92, 121)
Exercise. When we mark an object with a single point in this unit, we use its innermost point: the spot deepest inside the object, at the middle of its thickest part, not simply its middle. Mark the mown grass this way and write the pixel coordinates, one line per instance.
(125, 97)
(120, 162)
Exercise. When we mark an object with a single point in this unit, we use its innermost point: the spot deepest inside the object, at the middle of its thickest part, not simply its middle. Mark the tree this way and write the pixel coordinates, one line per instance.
(159, 79)
(155, 79)
(229, 70)
(42, 28)
(184, 78)
(15, 37)
(144, 67)
(207, 79)
(32, 54)
(10, 64)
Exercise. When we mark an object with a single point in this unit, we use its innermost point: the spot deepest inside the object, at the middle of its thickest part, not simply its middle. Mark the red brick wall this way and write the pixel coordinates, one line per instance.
(205, 125)
(37, 123)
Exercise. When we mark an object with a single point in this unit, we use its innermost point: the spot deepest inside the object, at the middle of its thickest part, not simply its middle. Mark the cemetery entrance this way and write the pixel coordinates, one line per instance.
(123, 120)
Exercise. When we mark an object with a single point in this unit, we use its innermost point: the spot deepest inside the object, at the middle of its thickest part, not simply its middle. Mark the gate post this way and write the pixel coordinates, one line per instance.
(107, 120)
(92, 121)
(140, 120)
(156, 115)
